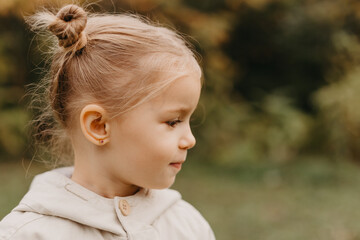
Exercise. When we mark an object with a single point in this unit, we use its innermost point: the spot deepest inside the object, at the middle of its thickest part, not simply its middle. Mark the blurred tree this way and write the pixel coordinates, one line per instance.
(279, 48)
(14, 74)
(338, 102)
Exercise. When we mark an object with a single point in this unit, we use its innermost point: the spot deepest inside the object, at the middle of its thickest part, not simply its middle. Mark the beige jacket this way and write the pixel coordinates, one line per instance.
(57, 208)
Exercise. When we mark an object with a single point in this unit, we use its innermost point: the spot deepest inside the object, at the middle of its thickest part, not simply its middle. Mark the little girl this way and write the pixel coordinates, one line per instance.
(123, 90)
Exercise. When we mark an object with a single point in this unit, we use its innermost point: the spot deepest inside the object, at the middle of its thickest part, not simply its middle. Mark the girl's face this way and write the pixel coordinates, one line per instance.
(149, 143)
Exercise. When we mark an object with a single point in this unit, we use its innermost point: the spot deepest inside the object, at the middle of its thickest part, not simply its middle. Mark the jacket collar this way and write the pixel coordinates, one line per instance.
(53, 193)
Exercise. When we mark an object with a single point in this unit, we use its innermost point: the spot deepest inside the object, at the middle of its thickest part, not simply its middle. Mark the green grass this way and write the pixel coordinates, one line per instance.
(304, 200)
(307, 200)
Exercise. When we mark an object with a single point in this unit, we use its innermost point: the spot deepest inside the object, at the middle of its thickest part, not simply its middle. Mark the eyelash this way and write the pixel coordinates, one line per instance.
(173, 123)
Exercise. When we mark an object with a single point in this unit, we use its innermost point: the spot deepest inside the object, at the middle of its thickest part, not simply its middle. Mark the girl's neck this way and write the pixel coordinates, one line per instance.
(100, 183)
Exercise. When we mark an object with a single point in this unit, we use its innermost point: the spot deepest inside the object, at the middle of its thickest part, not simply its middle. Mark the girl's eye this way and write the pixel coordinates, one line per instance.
(173, 122)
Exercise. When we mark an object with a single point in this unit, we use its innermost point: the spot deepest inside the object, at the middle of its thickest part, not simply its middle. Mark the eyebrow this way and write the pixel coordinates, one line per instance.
(181, 110)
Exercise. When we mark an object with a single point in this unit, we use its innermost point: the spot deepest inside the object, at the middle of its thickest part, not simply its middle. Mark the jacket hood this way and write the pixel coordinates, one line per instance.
(53, 193)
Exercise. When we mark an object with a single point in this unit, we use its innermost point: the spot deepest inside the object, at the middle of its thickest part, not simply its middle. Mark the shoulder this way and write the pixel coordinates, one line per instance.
(184, 220)
(15, 222)
(29, 225)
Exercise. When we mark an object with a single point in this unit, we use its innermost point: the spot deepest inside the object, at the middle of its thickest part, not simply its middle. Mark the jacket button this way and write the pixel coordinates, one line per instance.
(124, 207)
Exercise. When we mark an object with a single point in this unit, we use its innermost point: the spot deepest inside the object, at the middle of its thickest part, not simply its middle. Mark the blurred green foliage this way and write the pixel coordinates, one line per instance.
(14, 74)
(281, 76)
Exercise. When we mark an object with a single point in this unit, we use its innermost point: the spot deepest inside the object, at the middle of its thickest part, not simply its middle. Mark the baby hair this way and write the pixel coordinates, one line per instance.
(117, 61)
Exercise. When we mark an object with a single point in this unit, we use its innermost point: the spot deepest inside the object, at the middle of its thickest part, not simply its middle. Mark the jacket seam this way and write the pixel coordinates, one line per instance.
(20, 227)
(165, 210)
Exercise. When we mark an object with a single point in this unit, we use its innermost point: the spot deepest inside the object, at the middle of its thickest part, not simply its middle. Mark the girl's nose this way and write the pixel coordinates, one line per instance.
(187, 141)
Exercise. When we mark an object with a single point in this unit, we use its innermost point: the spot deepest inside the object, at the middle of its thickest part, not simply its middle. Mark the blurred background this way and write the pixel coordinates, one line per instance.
(278, 145)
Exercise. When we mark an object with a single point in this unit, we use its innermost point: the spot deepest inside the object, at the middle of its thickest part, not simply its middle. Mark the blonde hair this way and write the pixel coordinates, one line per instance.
(117, 61)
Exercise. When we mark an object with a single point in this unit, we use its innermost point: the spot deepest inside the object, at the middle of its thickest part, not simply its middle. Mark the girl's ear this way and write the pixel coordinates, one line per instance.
(94, 122)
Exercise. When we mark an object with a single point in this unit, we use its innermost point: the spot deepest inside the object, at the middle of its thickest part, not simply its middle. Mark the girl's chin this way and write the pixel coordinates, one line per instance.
(163, 185)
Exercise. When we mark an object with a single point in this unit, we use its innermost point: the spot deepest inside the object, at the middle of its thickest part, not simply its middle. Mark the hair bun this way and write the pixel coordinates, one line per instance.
(69, 26)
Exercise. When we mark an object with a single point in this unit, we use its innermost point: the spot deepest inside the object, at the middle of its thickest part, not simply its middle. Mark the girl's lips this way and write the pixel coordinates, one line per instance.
(176, 165)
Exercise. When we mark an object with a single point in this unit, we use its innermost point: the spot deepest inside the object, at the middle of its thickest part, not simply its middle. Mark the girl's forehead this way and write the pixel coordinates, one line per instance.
(183, 92)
